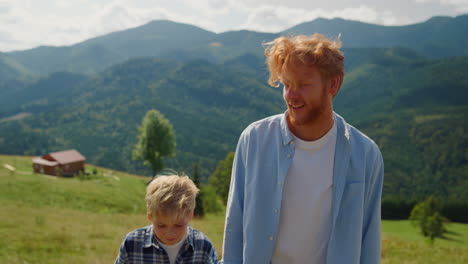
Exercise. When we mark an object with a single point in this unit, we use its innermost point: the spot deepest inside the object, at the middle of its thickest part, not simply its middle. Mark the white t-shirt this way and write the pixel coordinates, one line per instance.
(305, 219)
(173, 250)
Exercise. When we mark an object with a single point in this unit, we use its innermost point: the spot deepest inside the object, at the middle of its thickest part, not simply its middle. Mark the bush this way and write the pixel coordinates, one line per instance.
(426, 216)
(211, 201)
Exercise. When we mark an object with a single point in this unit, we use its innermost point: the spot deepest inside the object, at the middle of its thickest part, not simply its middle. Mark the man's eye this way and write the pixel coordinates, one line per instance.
(161, 226)
(179, 225)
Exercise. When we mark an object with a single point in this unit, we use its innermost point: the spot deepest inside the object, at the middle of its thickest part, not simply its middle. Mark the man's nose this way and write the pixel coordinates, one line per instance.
(290, 91)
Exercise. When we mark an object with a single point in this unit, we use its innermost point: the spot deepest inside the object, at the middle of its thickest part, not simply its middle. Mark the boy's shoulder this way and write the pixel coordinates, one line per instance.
(198, 239)
(140, 235)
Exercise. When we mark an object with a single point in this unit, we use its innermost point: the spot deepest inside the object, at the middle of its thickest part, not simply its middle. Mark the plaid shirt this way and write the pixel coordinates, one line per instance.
(141, 247)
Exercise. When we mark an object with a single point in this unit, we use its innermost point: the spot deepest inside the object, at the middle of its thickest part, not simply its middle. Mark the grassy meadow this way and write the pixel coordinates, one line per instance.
(46, 219)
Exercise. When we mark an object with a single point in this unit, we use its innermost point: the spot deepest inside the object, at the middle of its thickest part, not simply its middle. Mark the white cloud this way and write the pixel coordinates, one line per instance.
(72, 22)
(29, 23)
(212, 8)
(277, 18)
(367, 14)
(459, 5)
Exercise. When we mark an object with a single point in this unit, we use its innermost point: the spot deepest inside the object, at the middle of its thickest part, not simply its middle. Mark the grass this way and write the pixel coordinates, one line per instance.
(52, 220)
(107, 191)
(403, 244)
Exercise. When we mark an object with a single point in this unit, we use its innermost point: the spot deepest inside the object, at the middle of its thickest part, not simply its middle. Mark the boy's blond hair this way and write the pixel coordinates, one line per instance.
(314, 50)
(172, 195)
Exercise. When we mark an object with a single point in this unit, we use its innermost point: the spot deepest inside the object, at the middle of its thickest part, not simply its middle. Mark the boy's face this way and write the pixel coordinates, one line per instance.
(168, 229)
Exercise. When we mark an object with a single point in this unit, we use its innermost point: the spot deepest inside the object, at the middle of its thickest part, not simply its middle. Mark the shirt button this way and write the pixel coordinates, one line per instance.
(279, 183)
(289, 156)
(276, 211)
(271, 237)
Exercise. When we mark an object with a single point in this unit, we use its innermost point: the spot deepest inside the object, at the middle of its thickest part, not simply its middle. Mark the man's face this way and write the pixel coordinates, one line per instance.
(305, 92)
(168, 229)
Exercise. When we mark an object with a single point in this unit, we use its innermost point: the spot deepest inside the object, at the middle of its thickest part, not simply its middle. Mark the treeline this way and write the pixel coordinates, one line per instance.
(455, 210)
(393, 207)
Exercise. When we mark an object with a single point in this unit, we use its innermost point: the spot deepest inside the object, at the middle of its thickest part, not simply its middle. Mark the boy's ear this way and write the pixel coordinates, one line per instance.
(190, 216)
(150, 217)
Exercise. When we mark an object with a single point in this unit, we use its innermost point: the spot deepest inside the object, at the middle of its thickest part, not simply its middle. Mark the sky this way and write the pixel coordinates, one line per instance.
(25, 24)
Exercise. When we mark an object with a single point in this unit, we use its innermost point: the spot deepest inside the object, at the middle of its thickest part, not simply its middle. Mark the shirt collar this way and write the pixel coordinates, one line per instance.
(190, 237)
(342, 131)
(150, 238)
(285, 133)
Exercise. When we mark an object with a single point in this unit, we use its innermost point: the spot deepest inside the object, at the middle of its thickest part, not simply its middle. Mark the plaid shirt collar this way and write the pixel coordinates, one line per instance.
(151, 240)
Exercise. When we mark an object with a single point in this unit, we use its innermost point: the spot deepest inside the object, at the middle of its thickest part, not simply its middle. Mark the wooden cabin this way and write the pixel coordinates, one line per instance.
(63, 163)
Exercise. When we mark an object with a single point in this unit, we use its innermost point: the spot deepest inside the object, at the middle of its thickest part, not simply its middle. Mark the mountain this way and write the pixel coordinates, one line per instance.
(11, 69)
(208, 105)
(415, 110)
(46, 92)
(436, 38)
(413, 107)
(152, 39)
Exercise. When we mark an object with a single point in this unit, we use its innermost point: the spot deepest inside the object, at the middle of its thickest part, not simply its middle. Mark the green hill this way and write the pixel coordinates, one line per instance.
(52, 220)
(45, 219)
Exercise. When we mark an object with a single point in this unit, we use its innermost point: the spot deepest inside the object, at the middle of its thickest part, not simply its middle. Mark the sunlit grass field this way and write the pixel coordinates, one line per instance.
(45, 219)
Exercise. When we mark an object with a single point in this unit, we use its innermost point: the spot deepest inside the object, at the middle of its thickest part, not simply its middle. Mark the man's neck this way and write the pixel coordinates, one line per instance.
(314, 130)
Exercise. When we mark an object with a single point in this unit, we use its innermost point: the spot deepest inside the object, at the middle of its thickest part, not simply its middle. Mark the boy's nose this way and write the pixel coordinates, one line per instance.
(170, 232)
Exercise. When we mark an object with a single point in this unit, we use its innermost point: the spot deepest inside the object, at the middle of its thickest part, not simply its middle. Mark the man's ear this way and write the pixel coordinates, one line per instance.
(334, 85)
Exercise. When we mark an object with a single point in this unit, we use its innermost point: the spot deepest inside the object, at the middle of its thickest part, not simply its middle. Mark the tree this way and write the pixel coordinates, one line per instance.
(156, 140)
(199, 209)
(426, 216)
(211, 201)
(221, 177)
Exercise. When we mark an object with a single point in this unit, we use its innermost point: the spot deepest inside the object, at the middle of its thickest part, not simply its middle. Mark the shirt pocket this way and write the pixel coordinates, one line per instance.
(352, 203)
(353, 195)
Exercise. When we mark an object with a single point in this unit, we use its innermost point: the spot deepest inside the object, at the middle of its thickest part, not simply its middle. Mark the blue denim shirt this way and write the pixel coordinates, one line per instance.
(263, 157)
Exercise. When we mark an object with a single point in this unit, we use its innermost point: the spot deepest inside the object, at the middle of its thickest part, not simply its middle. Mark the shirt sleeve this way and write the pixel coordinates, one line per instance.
(233, 231)
(122, 258)
(371, 248)
(212, 257)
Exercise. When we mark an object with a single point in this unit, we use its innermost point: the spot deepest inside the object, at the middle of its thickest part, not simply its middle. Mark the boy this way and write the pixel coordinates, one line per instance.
(170, 203)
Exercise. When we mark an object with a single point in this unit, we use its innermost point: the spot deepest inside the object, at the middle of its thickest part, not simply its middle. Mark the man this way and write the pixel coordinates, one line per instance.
(305, 185)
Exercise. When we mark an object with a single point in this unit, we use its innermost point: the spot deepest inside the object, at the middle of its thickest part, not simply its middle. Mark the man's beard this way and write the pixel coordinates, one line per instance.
(312, 115)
